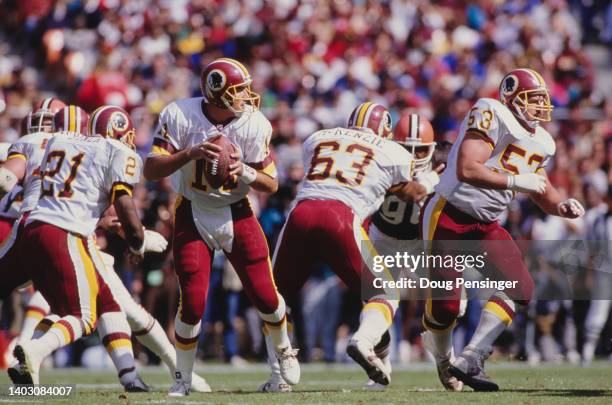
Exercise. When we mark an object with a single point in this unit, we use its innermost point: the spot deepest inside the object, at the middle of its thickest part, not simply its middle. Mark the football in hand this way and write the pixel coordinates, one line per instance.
(217, 171)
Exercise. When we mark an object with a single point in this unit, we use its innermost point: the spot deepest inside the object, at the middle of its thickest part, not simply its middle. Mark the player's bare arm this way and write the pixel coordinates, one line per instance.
(257, 180)
(471, 169)
(411, 191)
(128, 216)
(553, 203)
(160, 166)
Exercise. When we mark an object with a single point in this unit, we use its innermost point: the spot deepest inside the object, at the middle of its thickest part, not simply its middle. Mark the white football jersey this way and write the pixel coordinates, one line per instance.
(354, 166)
(31, 148)
(514, 150)
(10, 204)
(80, 178)
(182, 124)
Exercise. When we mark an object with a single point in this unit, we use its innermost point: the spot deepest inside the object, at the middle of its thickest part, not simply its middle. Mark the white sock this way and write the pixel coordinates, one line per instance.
(36, 310)
(490, 326)
(442, 342)
(276, 324)
(271, 349)
(115, 334)
(156, 340)
(375, 319)
(186, 344)
(63, 332)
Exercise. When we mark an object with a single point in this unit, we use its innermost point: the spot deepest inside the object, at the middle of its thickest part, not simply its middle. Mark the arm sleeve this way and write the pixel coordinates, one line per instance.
(483, 121)
(542, 166)
(169, 132)
(124, 172)
(259, 156)
(17, 150)
(402, 166)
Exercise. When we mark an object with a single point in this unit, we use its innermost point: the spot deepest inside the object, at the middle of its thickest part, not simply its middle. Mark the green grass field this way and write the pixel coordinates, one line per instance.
(320, 384)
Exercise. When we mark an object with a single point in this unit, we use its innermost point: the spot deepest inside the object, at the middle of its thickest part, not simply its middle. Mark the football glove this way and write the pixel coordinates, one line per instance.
(428, 180)
(527, 183)
(153, 242)
(570, 208)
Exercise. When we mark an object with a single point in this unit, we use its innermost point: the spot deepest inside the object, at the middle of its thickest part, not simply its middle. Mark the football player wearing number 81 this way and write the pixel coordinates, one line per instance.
(501, 150)
(209, 218)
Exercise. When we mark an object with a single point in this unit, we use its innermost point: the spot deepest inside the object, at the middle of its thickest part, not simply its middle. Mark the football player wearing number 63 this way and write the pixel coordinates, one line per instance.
(349, 171)
(209, 218)
(501, 150)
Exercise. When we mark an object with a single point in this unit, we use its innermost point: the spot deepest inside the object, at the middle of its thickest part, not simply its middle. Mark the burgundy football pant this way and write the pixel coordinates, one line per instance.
(441, 221)
(321, 231)
(12, 272)
(62, 269)
(193, 261)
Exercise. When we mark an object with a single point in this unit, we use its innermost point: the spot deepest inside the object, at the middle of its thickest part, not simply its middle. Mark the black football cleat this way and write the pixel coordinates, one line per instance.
(137, 385)
(469, 368)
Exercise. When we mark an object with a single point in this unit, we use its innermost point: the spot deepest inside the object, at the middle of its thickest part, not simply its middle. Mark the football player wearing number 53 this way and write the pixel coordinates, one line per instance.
(501, 150)
(209, 218)
(349, 171)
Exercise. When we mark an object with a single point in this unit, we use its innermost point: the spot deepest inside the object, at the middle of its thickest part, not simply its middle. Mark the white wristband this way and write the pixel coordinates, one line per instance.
(510, 182)
(248, 174)
(141, 250)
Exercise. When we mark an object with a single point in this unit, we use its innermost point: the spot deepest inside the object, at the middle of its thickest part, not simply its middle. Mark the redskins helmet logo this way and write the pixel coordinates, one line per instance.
(509, 85)
(216, 80)
(118, 121)
(386, 121)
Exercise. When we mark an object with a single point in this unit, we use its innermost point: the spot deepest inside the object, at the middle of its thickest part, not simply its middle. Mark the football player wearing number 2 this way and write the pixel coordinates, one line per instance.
(210, 218)
(501, 150)
(349, 171)
(80, 176)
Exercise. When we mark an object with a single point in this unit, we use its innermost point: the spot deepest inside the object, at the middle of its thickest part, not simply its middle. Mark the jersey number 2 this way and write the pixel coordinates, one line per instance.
(57, 158)
(315, 172)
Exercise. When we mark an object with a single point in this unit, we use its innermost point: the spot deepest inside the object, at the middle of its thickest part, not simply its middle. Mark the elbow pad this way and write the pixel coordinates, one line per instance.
(8, 180)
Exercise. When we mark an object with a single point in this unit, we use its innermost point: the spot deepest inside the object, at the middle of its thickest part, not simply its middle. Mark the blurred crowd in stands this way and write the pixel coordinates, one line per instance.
(313, 61)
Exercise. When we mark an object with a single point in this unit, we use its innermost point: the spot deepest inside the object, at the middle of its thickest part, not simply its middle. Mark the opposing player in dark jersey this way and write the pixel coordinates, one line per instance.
(397, 222)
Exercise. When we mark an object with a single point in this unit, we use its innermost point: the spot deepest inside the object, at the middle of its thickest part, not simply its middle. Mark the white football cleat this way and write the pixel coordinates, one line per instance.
(289, 366)
(181, 387)
(199, 384)
(26, 371)
(363, 353)
(275, 383)
(443, 362)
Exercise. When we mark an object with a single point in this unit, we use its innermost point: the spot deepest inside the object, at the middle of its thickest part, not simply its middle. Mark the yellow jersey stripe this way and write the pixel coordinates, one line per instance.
(92, 281)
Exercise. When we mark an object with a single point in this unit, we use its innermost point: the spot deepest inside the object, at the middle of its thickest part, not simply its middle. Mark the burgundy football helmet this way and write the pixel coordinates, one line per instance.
(113, 122)
(41, 118)
(415, 132)
(225, 81)
(373, 116)
(519, 90)
(71, 118)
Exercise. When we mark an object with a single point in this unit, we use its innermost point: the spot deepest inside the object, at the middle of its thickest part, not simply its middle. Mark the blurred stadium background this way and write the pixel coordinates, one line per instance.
(312, 62)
